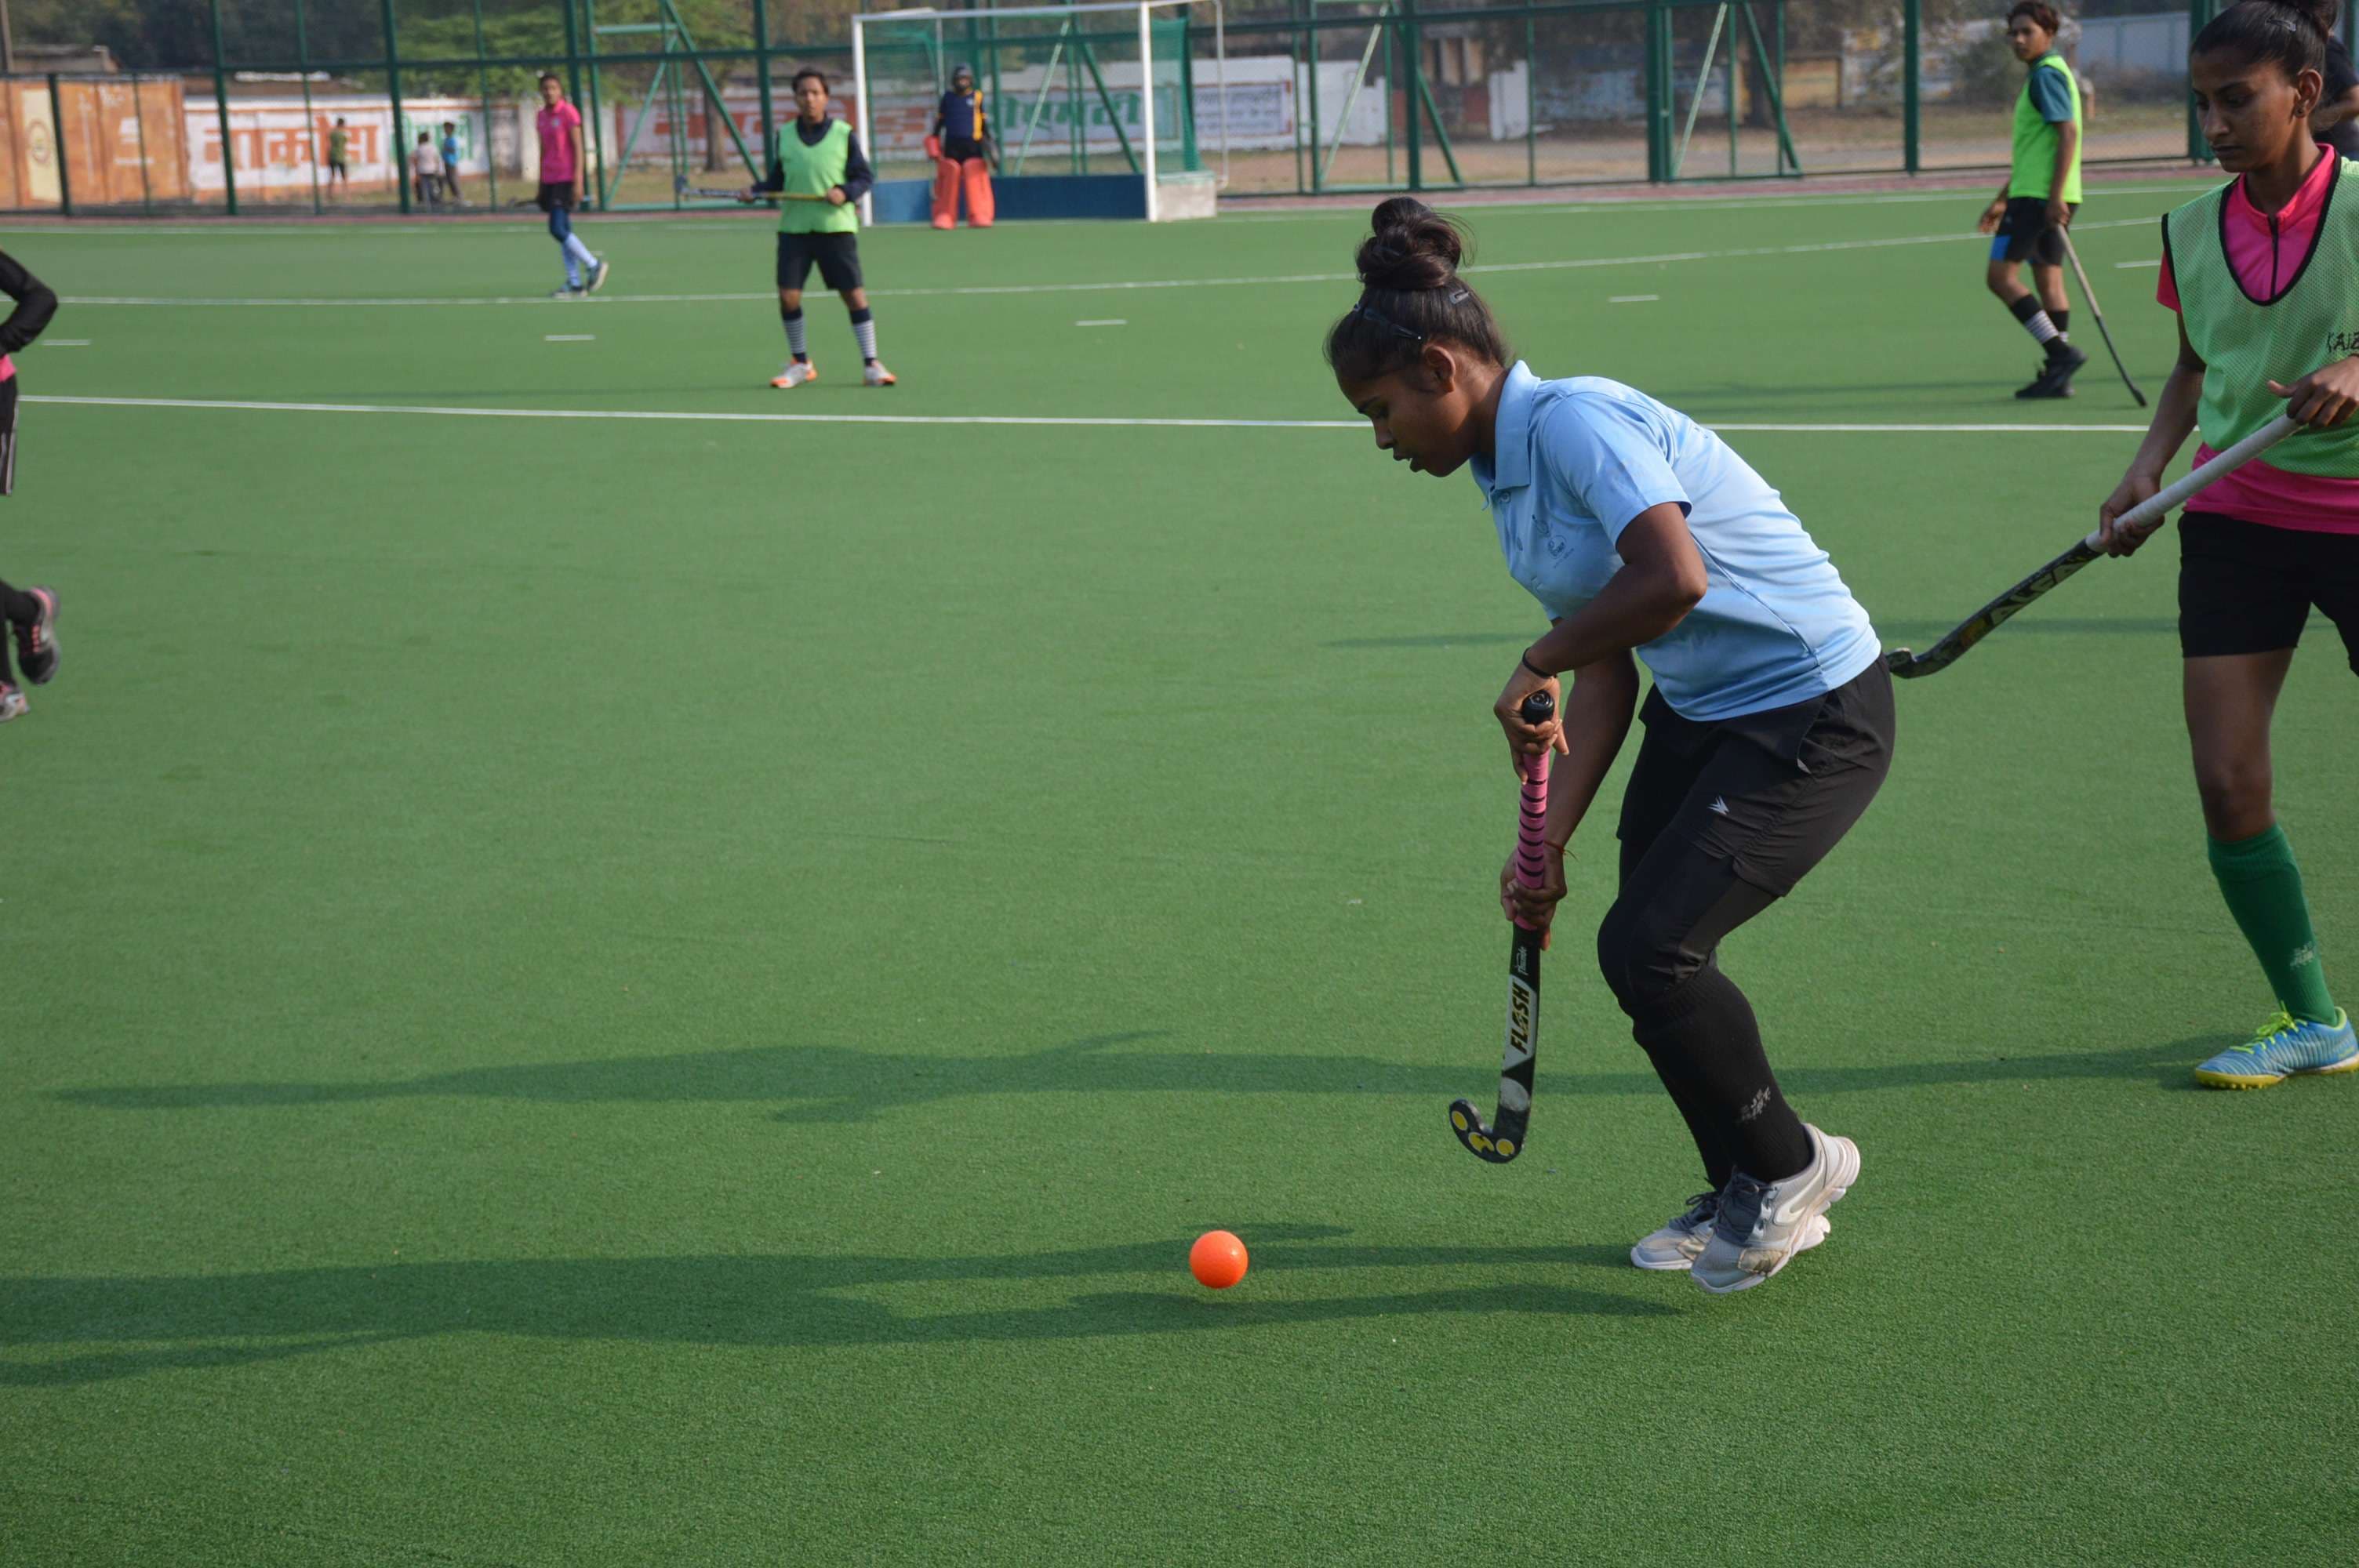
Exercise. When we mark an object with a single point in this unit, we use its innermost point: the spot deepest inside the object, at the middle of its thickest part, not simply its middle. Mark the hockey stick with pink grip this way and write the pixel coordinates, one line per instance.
(1501, 1139)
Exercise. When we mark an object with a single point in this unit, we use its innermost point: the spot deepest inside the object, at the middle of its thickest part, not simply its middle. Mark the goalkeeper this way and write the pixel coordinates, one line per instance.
(964, 153)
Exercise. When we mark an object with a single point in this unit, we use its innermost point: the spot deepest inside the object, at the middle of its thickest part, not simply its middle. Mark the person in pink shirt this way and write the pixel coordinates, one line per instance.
(31, 613)
(2262, 274)
(562, 165)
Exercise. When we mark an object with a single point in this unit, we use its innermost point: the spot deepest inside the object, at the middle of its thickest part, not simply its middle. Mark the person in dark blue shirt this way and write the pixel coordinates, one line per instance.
(964, 153)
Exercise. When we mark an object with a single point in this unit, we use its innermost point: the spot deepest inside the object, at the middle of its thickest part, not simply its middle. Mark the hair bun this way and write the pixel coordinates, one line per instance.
(1412, 248)
(2320, 14)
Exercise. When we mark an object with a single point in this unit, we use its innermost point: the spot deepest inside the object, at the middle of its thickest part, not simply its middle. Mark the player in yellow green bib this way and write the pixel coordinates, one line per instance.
(2028, 217)
(817, 172)
(2263, 272)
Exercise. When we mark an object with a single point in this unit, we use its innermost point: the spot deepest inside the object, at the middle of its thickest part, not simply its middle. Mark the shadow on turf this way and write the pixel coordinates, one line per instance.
(179, 1322)
(831, 1085)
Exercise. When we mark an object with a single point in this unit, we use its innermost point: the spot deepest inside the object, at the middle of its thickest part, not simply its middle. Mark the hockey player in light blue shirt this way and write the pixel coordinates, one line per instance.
(1647, 539)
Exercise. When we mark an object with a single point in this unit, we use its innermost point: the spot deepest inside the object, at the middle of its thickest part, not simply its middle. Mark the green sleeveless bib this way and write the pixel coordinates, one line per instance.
(812, 171)
(2035, 139)
(2244, 343)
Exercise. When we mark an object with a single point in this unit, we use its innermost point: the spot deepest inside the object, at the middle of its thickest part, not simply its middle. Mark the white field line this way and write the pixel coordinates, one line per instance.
(1114, 421)
(568, 337)
(1263, 281)
(1538, 202)
(2125, 266)
(1109, 321)
(1632, 299)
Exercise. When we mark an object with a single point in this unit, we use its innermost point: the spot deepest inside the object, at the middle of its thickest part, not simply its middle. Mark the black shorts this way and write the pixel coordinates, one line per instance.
(552, 197)
(7, 436)
(1766, 795)
(2247, 587)
(2024, 235)
(837, 256)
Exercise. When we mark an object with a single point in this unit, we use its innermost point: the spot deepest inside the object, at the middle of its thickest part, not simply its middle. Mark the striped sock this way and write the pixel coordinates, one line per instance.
(796, 344)
(863, 327)
(2035, 321)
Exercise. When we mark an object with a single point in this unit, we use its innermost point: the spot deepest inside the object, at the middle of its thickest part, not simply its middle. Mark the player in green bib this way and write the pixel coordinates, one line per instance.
(817, 172)
(2028, 217)
(2263, 272)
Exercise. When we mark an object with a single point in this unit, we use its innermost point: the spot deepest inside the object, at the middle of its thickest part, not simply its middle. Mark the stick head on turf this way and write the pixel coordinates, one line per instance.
(1499, 1145)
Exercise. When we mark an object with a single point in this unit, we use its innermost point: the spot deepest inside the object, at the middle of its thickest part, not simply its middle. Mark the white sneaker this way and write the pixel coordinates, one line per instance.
(796, 372)
(1761, 1225)
(1680, 1242)
(878, 375)
(598, 273)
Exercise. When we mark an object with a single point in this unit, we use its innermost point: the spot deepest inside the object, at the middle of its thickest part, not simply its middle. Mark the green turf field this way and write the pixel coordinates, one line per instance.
(674, 991)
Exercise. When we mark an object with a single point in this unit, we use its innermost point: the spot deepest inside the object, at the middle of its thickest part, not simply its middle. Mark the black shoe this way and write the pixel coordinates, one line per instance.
(36, 641)
(2054, 380)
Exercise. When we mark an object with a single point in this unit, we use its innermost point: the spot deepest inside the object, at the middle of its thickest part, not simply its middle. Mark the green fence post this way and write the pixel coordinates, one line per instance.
(1318, 127)
(594, 146)
(1190, 156)
(1658, 91)
(310, 120)
(762, 65)
(1413, 49)
(221, 108)
(1531, 118)
(393, 90)
(572, 54)
(998, 107)
(58, 139)
(2199, 15)
(1393, 76)
(1912, 73)
(1294, 53)
(483, 102)
(1736, 89)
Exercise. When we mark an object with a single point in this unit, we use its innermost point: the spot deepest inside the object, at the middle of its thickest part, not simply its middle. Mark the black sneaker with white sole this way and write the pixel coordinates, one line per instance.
(37, 640)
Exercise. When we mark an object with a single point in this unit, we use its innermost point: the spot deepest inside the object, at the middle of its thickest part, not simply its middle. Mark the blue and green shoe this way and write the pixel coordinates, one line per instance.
(2280, 1048)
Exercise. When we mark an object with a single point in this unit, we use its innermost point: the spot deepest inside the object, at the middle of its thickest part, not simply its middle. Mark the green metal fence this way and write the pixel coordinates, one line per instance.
(1319, 96)
(1399, 94)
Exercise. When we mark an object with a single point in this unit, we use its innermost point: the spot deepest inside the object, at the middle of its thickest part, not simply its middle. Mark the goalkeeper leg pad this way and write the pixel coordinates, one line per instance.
(975, 173)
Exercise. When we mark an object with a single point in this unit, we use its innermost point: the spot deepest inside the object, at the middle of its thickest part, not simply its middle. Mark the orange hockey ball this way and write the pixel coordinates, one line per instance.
(1218, 1260)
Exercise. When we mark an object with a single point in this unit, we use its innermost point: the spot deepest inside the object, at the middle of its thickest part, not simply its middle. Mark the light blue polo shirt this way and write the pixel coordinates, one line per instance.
(1576, 460)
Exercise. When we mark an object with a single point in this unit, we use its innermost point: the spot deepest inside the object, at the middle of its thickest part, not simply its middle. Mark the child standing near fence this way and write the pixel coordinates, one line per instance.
(426, 171)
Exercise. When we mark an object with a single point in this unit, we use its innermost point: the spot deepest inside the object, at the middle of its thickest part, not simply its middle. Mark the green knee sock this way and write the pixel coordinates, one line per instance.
(2262, 887)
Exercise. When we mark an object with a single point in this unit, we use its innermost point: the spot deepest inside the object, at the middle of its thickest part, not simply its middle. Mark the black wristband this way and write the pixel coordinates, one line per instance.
(1524, 659)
